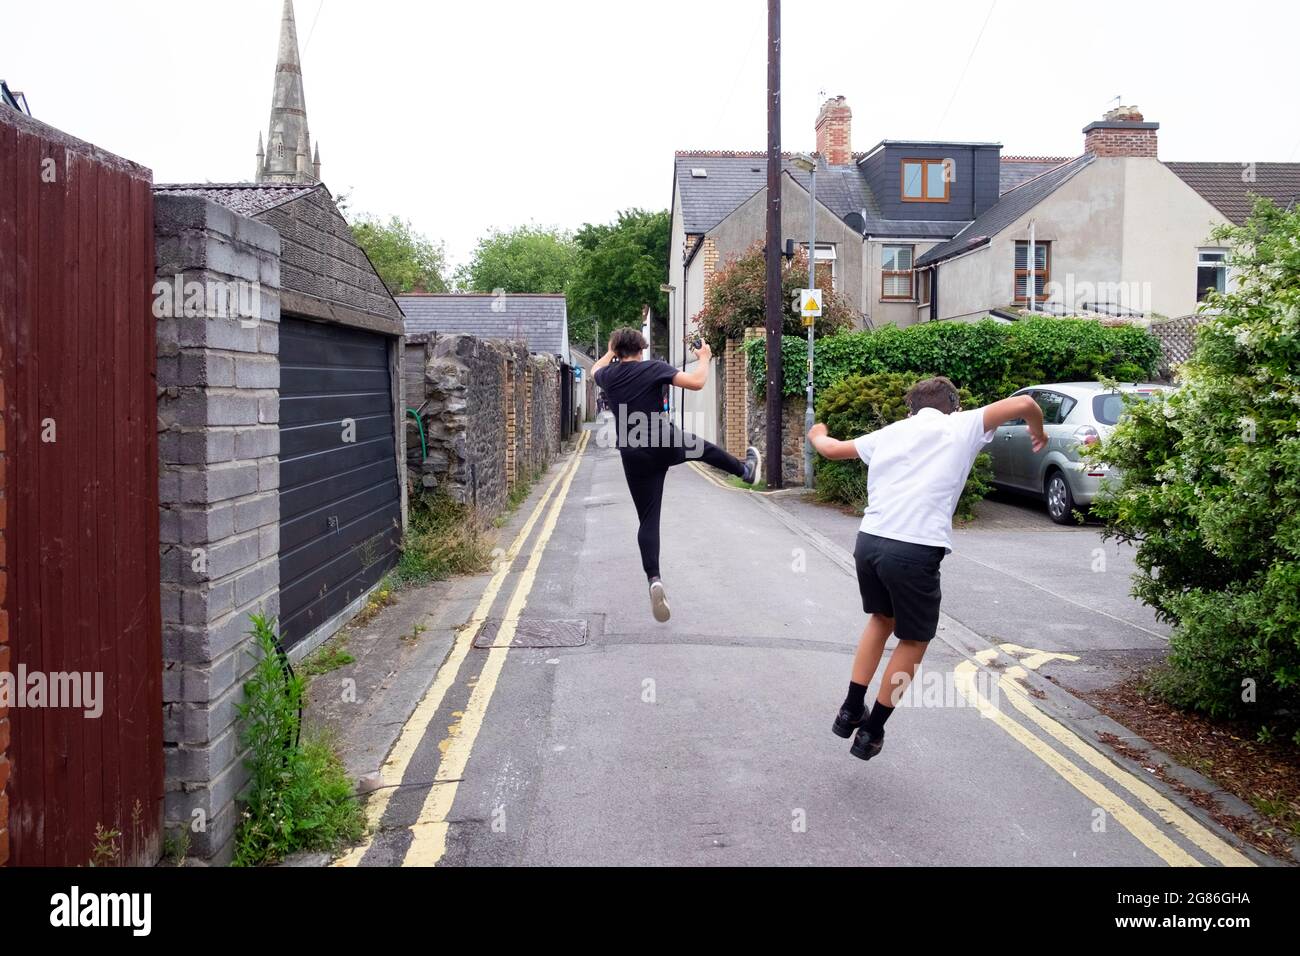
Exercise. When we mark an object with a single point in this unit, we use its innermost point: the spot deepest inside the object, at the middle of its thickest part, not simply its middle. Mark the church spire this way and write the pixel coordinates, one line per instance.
(288, 138)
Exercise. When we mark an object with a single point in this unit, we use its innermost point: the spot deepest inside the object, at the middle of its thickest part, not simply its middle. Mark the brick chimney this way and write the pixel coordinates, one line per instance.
(1121, 132)
(834, 124)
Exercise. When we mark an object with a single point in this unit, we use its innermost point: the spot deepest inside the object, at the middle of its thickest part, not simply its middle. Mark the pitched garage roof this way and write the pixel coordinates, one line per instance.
(541, 321)
(247, 199)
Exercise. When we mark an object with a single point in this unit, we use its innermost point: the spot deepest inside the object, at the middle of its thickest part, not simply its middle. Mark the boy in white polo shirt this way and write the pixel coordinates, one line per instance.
(916, 470)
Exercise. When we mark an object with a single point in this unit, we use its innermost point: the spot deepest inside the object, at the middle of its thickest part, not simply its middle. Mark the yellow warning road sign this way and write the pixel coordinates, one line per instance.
(810, 303)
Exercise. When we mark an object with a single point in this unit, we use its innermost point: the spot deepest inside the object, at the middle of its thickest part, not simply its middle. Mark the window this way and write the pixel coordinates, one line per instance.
(923, 286)
(1042, 270)
(896, 272)
(925, 180)
(1108, 407)
(824, 270)
(1211, 273)
(1056, 407)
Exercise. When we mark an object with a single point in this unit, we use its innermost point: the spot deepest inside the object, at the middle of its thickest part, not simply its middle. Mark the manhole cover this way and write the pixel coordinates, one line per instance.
(532, 632)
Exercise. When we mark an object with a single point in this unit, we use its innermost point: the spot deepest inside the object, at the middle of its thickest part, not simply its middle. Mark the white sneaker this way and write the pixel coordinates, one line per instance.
(659, 602)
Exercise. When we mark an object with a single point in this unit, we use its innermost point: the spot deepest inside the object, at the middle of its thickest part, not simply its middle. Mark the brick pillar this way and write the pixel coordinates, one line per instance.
(734, 403)
(4, 641)
(219, 470)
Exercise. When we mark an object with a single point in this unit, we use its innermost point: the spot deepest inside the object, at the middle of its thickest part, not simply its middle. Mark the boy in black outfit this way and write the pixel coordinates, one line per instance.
(650, 444)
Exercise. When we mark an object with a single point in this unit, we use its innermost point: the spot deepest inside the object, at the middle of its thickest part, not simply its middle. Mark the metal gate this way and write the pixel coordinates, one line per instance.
(79, 571)
(566, 401)
(340, 501)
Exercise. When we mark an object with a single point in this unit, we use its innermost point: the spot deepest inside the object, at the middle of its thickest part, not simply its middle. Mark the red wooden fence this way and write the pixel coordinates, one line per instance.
(77, 361)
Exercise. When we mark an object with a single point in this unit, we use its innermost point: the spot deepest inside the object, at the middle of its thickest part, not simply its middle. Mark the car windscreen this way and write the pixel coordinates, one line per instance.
(1109, 406)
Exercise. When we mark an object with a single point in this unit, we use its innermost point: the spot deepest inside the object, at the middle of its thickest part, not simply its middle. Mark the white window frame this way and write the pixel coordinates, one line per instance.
(826, 253)
(1221, 263)
(911, 296)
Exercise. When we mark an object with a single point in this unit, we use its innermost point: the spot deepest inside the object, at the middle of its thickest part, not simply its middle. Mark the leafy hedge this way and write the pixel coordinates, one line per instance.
(864, 403)
(1210, 490)
(990, 359)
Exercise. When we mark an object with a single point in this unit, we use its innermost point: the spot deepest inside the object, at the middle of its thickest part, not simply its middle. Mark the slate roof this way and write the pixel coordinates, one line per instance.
(1017, 170)
(734, 177)
(1013, 204)
(1225, 187)
(541, 321)
(247, 199)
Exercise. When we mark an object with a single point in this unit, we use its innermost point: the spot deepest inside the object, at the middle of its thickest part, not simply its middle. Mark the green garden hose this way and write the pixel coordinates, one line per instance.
(424, 448)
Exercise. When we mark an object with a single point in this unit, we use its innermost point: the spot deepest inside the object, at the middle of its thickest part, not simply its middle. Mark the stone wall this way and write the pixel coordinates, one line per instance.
(218, 413)
(491, 416)
(792, 435)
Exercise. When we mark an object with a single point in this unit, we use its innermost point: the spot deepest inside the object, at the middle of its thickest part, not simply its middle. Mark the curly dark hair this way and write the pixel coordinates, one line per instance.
(937, 392)
(627, 342)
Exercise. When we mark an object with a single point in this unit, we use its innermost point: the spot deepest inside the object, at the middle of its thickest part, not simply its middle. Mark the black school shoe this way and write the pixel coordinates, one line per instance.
(846, 723)
(753, 466)
(865, 746)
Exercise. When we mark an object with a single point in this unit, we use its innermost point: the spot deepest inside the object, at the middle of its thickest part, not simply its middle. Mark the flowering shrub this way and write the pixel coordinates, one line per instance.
(1210, 488)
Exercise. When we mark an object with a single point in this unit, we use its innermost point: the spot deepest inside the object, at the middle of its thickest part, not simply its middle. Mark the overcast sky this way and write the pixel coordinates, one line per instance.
(467, 116)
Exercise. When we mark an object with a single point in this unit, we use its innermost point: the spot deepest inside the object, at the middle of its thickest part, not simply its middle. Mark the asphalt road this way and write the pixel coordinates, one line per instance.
(706, 740)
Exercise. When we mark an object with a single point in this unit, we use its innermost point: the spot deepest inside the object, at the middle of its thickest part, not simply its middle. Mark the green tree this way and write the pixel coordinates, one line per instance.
(736, 299)
(1210, 489)
(620, 269)
(524, 259)
(405, 260)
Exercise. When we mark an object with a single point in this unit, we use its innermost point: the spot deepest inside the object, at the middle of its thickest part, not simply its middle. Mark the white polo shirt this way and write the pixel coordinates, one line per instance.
(916, 470)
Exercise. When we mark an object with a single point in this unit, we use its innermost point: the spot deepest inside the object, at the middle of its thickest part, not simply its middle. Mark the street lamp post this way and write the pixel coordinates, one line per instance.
(809, 165)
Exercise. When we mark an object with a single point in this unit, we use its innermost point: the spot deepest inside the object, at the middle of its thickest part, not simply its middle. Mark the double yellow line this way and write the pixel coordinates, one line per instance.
(430, 829)
(1095, 790)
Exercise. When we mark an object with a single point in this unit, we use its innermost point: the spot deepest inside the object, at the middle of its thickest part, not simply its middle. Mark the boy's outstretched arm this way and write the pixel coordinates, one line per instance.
(829, 447)
(1010, 409)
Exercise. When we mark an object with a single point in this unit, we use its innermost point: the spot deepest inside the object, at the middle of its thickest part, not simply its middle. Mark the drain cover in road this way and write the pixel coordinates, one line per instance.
(533, 632)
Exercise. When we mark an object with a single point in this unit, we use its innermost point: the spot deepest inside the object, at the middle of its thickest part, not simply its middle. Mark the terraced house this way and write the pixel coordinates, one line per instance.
(916, 231)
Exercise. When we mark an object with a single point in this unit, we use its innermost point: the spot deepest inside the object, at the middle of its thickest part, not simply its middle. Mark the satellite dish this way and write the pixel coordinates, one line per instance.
(856, 222)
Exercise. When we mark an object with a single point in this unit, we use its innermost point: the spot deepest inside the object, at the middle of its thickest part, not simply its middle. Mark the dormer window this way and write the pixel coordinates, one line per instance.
(925, 180)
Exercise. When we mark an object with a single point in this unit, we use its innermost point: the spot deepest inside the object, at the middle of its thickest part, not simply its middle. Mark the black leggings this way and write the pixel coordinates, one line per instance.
(646, 468)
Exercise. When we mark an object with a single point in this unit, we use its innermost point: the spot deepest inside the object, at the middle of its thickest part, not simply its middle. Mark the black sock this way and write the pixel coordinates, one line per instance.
(856, 702)
(876, 722)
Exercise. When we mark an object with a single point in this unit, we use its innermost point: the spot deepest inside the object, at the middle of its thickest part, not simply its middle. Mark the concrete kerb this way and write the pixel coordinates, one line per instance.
(1072, 712)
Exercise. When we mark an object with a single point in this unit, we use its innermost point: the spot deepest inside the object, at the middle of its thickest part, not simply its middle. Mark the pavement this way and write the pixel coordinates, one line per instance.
(538, 715)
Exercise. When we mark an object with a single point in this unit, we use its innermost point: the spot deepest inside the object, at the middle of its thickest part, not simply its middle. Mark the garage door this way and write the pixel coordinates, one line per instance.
(340, 502)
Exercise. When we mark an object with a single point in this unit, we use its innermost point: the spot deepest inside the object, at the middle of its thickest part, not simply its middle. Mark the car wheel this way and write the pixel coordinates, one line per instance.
(1060, 501)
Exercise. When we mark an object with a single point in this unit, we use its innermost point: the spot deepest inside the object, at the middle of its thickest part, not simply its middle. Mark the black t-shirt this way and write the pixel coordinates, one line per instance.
(637, 386)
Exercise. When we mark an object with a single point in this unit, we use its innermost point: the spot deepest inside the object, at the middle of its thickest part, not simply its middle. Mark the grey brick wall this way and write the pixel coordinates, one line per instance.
(464, 382)
(319, 257)
(218, 413)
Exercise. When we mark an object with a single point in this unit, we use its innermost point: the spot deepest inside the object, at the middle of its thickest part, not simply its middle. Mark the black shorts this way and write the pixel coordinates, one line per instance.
(900, 579)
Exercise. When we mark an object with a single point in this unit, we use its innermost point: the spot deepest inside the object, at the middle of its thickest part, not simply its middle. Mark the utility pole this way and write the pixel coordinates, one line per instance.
(812, 284)
(774, 305)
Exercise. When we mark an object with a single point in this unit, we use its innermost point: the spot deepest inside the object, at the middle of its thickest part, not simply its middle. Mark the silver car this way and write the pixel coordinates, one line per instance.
(1075, 415)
